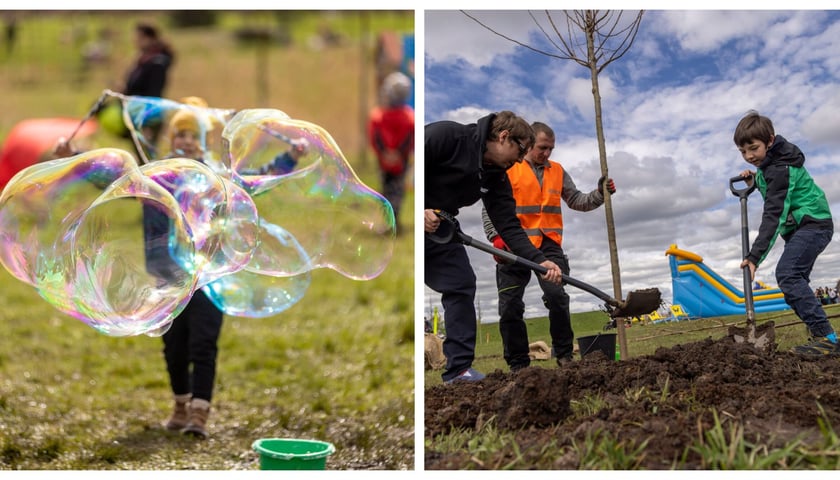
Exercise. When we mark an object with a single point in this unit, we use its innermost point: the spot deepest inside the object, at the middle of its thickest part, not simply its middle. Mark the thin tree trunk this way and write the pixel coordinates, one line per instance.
(602, 152)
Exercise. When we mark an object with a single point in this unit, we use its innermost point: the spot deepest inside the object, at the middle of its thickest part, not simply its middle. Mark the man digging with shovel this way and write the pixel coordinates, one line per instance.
(465, 163)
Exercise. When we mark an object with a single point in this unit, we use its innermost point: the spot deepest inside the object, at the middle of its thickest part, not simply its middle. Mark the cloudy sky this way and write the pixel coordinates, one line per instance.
(670, 107)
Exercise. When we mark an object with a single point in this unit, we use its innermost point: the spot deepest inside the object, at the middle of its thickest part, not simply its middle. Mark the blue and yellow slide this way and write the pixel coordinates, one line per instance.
(703, 293)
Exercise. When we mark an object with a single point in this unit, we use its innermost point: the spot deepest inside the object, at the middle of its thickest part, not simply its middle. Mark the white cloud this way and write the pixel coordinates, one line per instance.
(451, 36)
(467, 114)
(823, 124)
(707, 30)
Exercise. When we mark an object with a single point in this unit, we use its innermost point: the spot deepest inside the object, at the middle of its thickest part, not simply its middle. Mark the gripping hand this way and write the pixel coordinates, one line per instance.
(609, 182)
(501, 245)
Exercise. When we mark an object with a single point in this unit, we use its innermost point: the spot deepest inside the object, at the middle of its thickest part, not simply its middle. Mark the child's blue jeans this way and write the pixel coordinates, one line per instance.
(793, 273)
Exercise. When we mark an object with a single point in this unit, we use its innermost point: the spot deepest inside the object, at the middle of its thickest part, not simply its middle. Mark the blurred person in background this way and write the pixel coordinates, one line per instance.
(391, 135)
(148, 74)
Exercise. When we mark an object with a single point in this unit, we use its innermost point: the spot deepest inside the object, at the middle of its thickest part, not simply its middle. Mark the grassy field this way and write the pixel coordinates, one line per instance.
(338, 366)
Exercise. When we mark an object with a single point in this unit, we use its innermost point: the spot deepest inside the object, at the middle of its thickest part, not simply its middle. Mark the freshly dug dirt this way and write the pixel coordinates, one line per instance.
(666, 399)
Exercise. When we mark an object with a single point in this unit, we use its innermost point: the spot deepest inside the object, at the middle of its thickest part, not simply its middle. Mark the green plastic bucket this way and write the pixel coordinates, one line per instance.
(292, 454)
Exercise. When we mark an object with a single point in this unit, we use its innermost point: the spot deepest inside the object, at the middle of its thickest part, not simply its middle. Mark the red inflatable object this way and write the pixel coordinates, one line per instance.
(31, 139)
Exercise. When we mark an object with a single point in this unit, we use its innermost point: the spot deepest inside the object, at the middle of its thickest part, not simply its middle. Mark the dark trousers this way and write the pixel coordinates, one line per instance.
(511, 280)
(448, 272)
(793, 274)
(393, 189)
(192, 341)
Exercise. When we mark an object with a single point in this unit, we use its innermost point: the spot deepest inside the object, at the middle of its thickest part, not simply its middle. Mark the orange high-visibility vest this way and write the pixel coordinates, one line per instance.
(538, 208)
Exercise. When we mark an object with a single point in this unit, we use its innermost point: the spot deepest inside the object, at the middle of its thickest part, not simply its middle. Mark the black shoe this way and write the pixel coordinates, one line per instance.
(516, 368)
(563, 361)
(468, 375)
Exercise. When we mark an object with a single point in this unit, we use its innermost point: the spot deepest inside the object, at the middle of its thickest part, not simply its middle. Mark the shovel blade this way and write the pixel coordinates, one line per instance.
(639, 302)
(762, 337)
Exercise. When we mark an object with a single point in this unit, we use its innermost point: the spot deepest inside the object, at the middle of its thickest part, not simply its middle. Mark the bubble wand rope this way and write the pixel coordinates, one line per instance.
(95, 108)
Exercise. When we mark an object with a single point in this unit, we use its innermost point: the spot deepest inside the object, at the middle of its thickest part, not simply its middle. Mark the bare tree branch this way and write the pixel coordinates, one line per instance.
(541, 52)
(567, 40)
(589, 40)
(545, 34)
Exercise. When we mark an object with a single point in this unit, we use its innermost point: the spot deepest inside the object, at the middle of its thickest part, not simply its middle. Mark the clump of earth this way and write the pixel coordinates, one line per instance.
(665, 399)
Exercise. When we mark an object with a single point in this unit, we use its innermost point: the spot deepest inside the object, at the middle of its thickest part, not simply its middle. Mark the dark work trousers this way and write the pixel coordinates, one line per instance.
(448, 272)
(793, 273)
(192, 341)
(511, 280)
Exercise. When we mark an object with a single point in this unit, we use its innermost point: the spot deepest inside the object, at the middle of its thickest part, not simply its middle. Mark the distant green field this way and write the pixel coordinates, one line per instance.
(332, 86)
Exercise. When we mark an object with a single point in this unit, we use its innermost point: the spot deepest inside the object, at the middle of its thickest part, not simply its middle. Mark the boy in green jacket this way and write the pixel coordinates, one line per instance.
(796, 209)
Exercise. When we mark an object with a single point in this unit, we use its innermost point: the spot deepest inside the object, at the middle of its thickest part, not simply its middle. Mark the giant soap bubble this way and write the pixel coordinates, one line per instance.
(123, 247)
(81, 245)
(220, 217)
(343, 224)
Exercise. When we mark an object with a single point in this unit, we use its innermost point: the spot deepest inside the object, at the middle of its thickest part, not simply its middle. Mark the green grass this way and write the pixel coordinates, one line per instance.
(338, 366)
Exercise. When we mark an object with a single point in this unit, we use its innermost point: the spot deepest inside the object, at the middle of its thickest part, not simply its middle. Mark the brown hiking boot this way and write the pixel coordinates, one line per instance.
(197, 420)
(179, 417)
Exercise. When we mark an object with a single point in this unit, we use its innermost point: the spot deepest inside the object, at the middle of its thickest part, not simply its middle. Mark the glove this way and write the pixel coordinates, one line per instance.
(501, 245)
(609, 182)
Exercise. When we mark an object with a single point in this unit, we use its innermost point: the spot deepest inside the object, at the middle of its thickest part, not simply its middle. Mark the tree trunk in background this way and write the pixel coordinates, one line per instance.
(602, 153)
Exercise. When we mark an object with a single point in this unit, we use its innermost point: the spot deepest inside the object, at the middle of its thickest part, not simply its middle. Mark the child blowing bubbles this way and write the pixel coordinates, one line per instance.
(796, 209)
(190, 344)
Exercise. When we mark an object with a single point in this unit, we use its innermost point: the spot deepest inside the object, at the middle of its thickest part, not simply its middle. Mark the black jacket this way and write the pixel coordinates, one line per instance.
(148, 77)
(456, 176)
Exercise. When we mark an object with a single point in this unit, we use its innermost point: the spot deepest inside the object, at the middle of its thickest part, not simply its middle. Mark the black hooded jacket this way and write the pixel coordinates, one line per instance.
(456, 176)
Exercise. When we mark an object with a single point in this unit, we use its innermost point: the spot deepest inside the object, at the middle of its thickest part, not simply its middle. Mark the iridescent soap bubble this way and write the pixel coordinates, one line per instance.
(148, 120)
(72, 228)
(124, 248)
(265, 287)
(316, 197)
(220, 217)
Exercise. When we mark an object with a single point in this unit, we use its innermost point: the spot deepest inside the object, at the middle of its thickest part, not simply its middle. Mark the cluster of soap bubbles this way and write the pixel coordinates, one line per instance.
(122, 243)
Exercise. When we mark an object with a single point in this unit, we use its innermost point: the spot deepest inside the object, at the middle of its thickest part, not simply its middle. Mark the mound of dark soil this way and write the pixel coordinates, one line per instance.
(666, 399)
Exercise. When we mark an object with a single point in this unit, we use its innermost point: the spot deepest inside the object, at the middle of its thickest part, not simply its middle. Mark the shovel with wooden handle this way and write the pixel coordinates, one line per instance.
(763, 337)
(640, 302)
